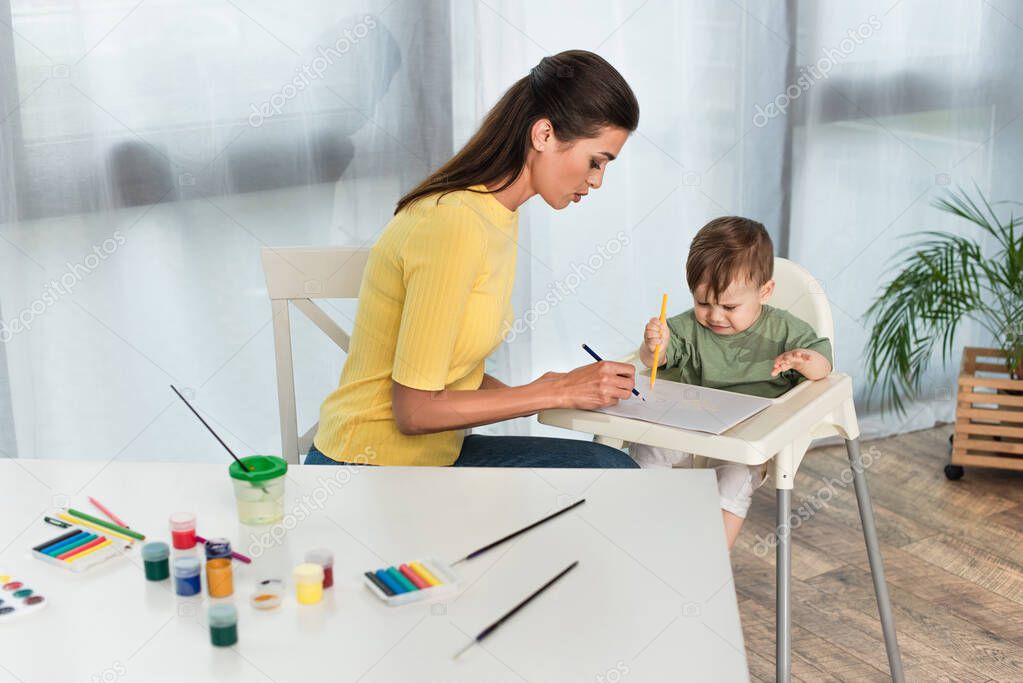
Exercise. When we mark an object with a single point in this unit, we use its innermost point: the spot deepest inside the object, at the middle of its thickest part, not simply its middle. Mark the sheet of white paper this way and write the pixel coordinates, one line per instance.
(687, 406)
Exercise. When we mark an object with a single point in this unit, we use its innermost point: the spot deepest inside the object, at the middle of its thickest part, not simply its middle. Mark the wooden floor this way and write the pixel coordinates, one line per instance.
(953, 552)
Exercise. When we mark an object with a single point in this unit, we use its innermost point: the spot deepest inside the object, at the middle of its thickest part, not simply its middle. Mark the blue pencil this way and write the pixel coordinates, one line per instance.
(597, 358)
(387, 580)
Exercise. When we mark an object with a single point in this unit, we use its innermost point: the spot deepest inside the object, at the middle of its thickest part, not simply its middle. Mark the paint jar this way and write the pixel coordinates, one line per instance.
(182, 526)
(154, 558)
(223, 621)
(217, 548)
(308, 583)
(259, 488)
(219, 580)
(268, 595)
(186, 575)
(324, 558)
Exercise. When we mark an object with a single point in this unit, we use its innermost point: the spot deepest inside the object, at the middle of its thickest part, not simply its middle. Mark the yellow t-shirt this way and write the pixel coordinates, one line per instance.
(434, 303)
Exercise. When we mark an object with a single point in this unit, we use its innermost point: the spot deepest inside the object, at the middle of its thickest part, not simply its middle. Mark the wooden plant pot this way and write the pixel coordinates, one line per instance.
(989, 413)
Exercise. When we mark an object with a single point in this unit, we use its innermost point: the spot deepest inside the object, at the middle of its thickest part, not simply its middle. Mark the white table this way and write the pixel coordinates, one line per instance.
(651, 600)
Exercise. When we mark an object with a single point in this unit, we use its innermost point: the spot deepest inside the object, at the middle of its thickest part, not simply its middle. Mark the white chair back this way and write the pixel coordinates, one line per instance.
(296, 275)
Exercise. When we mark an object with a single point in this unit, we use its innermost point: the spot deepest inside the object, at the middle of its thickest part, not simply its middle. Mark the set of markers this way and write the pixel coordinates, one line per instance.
(86, 541)
(412, 582)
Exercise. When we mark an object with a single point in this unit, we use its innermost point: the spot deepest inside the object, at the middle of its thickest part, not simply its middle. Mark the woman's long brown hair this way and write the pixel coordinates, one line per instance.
(577, 90)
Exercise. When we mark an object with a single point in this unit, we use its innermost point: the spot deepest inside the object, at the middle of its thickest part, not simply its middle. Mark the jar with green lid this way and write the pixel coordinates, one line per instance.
(259, 488)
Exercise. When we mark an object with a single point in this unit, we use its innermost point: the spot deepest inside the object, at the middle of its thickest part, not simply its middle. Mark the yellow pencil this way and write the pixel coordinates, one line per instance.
(82, 522)
(657, 351)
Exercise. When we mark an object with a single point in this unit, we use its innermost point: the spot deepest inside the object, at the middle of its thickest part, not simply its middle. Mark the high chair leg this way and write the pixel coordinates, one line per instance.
(783, 576)
(884, 605)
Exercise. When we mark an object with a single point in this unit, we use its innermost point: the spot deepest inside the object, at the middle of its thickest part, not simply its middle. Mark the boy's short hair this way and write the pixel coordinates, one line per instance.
(727, 249)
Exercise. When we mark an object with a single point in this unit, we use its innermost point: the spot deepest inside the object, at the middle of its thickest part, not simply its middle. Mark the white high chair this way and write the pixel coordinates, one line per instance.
(782, 434)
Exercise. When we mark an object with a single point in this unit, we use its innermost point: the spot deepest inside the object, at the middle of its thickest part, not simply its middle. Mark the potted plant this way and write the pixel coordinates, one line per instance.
(944, 279)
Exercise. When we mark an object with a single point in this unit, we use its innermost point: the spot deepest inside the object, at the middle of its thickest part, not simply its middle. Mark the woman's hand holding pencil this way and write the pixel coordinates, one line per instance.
(596, 385)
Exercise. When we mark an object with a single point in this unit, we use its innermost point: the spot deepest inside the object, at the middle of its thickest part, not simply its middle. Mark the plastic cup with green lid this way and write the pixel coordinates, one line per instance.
(259, 488)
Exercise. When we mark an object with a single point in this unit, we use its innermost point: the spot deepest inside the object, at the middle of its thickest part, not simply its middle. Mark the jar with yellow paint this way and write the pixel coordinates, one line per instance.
(308, 583)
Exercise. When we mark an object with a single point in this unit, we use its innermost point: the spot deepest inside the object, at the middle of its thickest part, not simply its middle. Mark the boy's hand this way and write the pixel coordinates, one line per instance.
(810, 364)
(790, 360)
(656, 333)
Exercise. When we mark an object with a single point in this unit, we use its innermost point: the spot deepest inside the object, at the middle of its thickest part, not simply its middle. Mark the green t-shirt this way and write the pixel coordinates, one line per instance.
(739, 362)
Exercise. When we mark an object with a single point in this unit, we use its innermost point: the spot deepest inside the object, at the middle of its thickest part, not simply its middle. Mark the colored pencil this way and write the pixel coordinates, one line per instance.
(77, 539)
(379, 584)
(401, 580)
(235, 555)
(110, 515)
(106, 525)
(101, 546)
(657, 350)
(494, 626)
(597, 358)
(416, 580)
(418, 568)
(523, 530)
(386, 579)
(97, 540)
(54, 541)
(80, 522)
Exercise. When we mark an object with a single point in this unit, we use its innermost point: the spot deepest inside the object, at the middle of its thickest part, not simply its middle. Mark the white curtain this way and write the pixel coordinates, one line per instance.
(148, 151)
(929, 100)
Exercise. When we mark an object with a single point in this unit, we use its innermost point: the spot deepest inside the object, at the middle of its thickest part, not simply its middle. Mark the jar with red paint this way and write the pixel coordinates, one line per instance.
(325, 558)
(182, 527)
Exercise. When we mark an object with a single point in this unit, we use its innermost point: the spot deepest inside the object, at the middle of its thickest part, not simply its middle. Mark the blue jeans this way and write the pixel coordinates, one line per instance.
(522, 451)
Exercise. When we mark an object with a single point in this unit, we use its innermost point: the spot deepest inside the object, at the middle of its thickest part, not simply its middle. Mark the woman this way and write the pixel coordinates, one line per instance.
(436, 293)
